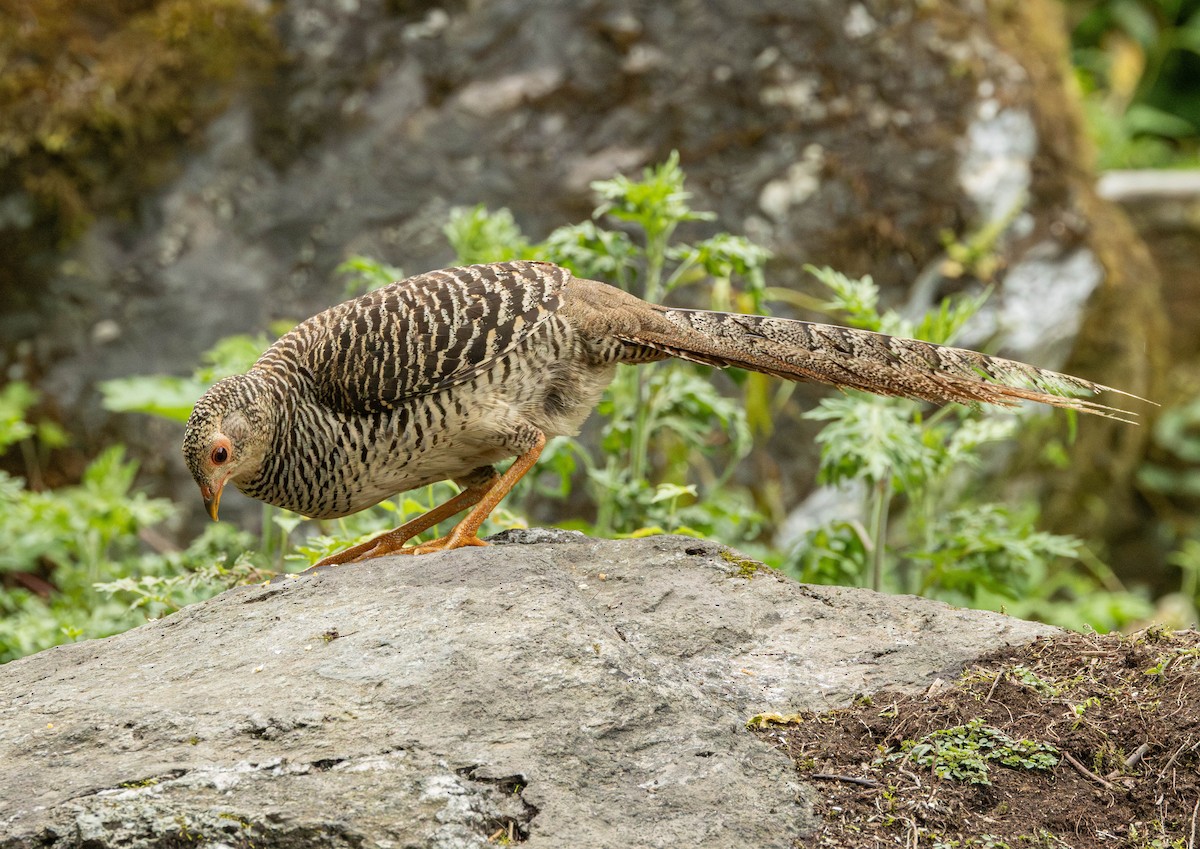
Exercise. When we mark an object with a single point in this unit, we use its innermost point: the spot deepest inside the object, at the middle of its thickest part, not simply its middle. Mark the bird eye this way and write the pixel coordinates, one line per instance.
(220, 454)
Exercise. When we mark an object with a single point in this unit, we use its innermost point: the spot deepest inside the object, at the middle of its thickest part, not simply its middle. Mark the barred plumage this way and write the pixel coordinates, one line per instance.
(441, 376)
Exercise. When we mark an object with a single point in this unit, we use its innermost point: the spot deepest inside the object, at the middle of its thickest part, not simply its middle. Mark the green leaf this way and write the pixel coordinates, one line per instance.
(591, 252)
(1142, 118)
(364, 274)
(942, 325)
(231, 355)
(725, 255)
(15, 399)
(1136, 20)
(964, 752)
(987, 547)
(871, 438)
(834, 553)
(167, 397)
(479, 236)
(656, 203)
(671, 492)
(857, 298)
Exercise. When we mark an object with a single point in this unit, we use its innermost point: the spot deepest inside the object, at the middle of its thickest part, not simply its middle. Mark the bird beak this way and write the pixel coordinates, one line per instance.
(212, 499)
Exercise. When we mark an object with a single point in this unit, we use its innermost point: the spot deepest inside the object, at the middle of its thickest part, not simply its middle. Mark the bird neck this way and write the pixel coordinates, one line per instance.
(274, 404)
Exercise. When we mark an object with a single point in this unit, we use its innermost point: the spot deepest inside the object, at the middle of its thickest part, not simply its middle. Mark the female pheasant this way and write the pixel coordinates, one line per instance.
(440, 376)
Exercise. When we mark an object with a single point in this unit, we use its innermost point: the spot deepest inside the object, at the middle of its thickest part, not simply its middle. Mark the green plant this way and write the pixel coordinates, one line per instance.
(1045, 687)
(34, 441)
(363, 274)
(924, 531)
(1136, 61)
(1083, 707)
(1184, 657)
(966, 752)
(60, 543)
(1171, 482)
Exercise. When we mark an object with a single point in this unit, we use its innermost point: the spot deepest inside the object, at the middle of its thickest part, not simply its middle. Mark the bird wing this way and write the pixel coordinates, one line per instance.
(425, 333)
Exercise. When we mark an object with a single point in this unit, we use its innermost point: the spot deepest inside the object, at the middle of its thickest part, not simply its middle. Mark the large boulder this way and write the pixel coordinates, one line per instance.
(572, 692)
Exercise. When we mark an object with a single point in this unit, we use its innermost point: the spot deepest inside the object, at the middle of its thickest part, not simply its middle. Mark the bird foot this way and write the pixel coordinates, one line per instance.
(381, 546)
(446, 543)
(372, 548)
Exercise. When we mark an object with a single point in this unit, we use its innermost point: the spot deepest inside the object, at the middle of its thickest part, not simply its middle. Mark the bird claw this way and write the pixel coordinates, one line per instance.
(367, 551)
(355, 554)
(446, 543)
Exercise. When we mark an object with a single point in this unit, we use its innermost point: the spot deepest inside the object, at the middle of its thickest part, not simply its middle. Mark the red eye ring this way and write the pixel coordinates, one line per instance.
(220, 455)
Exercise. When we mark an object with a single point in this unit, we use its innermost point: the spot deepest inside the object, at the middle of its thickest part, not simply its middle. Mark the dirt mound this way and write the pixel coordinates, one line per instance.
(1075, 740)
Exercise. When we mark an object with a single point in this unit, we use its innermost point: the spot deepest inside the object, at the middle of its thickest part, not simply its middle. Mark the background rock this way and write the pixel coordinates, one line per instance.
(579, 692)
(1164, 206)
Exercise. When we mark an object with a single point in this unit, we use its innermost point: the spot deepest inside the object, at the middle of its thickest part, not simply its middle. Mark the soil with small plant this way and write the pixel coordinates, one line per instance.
(1080, 740)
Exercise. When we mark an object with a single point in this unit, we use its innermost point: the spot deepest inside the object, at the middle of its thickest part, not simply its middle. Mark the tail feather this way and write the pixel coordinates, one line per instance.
(860, 359)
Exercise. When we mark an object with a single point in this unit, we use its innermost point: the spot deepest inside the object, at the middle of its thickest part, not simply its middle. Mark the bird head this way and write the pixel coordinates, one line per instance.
(227, 437)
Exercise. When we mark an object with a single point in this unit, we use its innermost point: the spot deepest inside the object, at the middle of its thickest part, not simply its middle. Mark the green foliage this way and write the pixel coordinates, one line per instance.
(966, 752)
(655, 205)
(856, 300)
(987, 547)
(591, 251)
(171, 397)
(183, 578)
(1137, 62)
(83, 525)
(1177, 436)
(479, 236)
(363, 274)
(926, 531)
(16, 398)
(1172, 482)
(60, 543)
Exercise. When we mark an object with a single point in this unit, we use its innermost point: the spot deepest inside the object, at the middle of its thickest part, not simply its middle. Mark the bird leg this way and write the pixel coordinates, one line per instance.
(466, 532)
(484, 496)
(394, 541)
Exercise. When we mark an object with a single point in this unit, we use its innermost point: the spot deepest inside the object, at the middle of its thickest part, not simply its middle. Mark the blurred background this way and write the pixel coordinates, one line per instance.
(180, 180)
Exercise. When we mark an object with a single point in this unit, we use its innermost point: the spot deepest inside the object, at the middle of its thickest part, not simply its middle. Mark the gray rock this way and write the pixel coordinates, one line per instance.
(572, 692)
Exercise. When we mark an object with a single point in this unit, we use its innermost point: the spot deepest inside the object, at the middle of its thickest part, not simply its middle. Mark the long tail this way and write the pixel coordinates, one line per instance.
(861, 359)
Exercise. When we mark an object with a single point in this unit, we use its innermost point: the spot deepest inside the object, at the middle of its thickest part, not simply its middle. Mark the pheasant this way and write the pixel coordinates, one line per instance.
(441, 376)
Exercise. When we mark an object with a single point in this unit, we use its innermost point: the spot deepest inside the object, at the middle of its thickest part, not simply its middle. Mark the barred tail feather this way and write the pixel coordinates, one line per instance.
(874, 362)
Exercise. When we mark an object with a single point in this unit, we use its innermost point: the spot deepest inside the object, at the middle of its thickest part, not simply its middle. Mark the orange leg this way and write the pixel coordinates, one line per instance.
(394, 540)
(466, 532)
(483, 496)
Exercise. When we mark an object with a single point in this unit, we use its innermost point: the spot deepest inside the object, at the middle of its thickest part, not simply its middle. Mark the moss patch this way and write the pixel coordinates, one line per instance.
(96, 98)
(743, 566)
